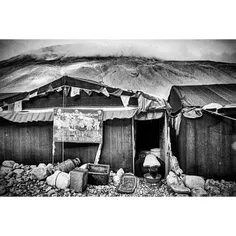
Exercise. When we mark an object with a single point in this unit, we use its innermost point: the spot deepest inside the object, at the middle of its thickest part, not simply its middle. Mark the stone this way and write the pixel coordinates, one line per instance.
(172, 178)
(2, 190)
(5, 170)
(40, 173)
(50, 168)
(180, 189)
(198, 192)
(10, 183)
(18, 171)
(33, 166)
(193, 181)
(42, 165)
(116, 180)
(182, 195)
(16, 166)
(120, 172)
(8, 163)
(174, 166)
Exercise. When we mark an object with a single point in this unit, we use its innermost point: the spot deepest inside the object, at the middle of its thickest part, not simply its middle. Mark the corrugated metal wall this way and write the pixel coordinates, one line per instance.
(31, 143)
(206, 146)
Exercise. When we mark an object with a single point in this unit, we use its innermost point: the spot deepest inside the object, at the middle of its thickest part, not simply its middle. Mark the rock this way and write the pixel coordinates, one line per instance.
(180, 189)
(5, 170)
(16, 166)
(172, 178)
(50, 168)
(18, 171)
(40, 173)
(51, 192)
(8, 163)
(174, 166)
(42, 165)
(193, 181)
(59, 179)
(2, 190)
(33, 166)
(10, 183)
(116, 180)
(120, 172)
(198, 192)
(10, 174)
(182, 195)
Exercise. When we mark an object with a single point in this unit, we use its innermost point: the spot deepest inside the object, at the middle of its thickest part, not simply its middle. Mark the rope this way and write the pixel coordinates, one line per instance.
(218, 114)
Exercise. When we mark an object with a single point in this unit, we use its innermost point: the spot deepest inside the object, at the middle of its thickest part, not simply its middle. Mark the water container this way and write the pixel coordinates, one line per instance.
(68, 165)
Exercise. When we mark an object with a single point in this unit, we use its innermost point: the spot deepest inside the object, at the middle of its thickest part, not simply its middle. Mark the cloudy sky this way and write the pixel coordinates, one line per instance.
(217, 50)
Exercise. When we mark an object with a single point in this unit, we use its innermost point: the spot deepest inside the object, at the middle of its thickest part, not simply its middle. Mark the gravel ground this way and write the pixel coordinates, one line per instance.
(22, 184)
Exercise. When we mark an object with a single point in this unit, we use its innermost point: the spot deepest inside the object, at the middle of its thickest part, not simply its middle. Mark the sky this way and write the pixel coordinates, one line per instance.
(216, 50)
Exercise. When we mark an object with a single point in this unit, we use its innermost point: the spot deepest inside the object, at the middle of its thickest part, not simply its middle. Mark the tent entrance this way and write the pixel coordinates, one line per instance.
(148, 134)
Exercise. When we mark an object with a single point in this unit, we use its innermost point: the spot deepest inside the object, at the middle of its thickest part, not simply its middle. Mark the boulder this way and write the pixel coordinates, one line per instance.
(40, 173)
(151, 160)
(8, 163)
(59, 179)
(193, 181)
(18, 171)
(198, 192)
(180, 189)
(174, 165)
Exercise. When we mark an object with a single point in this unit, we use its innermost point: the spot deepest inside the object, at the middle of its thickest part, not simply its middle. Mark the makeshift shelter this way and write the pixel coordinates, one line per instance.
(27, 126)
(204, 129)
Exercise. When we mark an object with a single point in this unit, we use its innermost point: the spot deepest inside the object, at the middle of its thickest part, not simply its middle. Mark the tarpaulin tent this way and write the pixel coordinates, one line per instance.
(204, 129)
(27, 122)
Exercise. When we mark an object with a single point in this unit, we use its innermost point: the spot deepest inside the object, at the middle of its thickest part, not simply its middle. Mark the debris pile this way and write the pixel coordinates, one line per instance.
(31, 180)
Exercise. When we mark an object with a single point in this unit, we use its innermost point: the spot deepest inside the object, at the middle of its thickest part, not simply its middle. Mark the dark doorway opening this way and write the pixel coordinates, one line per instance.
(148, 135)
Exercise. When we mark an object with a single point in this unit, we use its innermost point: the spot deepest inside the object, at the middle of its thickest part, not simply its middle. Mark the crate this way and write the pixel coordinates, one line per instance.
(78, 179)
(98, 174)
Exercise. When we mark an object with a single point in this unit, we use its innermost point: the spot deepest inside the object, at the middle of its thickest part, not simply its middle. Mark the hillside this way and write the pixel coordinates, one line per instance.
(29, 71)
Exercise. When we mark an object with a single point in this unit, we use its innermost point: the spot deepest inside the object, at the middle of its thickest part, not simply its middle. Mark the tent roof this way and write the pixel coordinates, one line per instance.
(201, 95)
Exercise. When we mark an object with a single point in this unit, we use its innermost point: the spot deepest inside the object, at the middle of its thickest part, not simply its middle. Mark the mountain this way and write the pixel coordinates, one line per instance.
(150, 75)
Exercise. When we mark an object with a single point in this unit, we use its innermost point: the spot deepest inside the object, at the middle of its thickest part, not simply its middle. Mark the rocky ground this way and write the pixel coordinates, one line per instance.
(19, 182)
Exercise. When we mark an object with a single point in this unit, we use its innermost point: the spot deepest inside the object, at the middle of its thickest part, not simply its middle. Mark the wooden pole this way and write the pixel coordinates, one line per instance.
(63, 105)
(133, 145)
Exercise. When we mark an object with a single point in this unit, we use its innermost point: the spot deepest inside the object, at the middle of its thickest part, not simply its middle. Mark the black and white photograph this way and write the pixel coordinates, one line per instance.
(89, 118)
(117, 117)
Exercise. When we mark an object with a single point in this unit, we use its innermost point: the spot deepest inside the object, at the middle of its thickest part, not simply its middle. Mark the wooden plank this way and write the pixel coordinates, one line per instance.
(117, 149)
